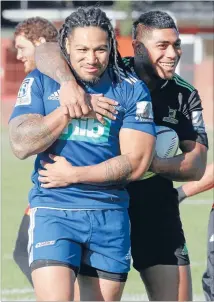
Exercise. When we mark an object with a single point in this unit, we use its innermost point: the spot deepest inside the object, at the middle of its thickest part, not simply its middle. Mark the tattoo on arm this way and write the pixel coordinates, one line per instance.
(63, 76)
(50, 61)
(29, 135)
(118, 170)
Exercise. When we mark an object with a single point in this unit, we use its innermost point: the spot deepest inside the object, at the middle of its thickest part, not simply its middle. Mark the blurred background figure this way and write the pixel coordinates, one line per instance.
(28, 34)
(193, 188)
(195, 22)
(31, 33)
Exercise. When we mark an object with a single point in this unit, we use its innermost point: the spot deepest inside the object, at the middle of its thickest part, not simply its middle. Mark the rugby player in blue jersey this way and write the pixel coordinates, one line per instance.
(85, 220)
(29, 34)
(158, 243)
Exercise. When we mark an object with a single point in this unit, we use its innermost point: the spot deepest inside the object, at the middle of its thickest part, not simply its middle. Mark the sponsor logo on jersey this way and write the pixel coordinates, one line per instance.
(45, 243)
(171, 117)
(54, 96)
(144, 112)
(87, 130)
(24, 94)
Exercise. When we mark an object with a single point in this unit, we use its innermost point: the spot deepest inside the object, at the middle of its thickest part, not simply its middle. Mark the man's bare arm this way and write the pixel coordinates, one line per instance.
(195, 187)
(51, 62)
(33, 133)
(118, 169)
(133, 162)
(187, 166)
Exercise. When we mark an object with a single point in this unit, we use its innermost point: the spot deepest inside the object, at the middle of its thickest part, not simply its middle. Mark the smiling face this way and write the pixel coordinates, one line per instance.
(89, 51)
(25, 52)
(164, 50)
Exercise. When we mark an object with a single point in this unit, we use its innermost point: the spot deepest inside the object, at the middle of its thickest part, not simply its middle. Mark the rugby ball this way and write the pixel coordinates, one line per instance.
(167, 143)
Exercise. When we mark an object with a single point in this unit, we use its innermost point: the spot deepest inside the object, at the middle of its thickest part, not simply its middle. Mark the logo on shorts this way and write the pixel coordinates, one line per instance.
(128, 255)
(45, 243)
(184, 251)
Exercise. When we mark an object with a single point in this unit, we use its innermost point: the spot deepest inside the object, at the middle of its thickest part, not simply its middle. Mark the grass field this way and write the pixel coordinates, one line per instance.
(15, 187)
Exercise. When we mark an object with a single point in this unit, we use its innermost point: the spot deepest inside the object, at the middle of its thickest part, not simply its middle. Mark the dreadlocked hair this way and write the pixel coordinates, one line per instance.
(92, 16)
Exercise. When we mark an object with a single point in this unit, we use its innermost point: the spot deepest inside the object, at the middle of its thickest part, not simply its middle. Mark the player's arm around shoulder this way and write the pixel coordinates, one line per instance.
(30, 131)
(50, 61)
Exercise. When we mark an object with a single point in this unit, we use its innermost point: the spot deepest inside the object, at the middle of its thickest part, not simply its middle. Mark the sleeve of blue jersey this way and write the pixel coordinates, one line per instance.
(139, 113)
(30, 96)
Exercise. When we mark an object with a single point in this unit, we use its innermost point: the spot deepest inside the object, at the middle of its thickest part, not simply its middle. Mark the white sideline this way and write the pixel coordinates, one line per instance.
(22, 291)
(14, 291)
(197, 201)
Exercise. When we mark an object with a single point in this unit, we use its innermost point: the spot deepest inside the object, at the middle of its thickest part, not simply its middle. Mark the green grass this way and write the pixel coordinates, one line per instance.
(15, 186)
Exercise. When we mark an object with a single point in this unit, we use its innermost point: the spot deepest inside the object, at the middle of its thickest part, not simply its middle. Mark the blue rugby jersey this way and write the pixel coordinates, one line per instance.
(85, 141)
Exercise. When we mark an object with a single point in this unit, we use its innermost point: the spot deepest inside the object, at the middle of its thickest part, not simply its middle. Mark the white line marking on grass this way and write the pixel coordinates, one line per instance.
(134, 297)
(14, 291)
(198, 263)
(20, 299)
(197, 201)
(143, 297)
(125, 297)
(7, 257)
